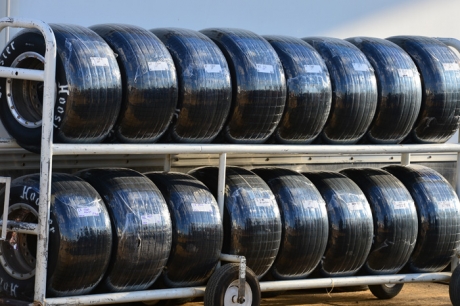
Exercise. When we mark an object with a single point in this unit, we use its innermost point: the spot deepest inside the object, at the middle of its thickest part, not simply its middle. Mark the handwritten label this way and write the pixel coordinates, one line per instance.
(405, 73)
(450, 66)
(355, 205)
(151, 218)
(99, 61)
(313, 68)
(401, 204)
(212, 68)
(158, 66)
(265, 68)
(360, 67)
(202, 207)
(88, 211)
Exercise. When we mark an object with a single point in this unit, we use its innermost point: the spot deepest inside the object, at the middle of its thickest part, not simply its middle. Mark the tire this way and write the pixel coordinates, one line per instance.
(80, 238)
(197, 231)
(395, 219)
(350, 224)
(252, 222)
(309, 91)
(304, 220)
(440, 73)
(223, 285)
(205, 87)
(88, 88)
(399, 90)
(438, 213)
(354, 90)
(259, 85)
(141, 228)
(149, 82)
(386, 291)
(454, 287)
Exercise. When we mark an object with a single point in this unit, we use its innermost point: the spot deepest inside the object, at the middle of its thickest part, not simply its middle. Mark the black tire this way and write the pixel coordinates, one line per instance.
(259, 85)
(438, 213)
(223, 285)
(454, 287)
(399, 90)
(350, 224)
(309, 91)
(386, 291)
(395, 219)
(354, 90)
(149, 82)
(304, 220)
(141, 228)
(80, 238)
(440, 72)
(88, 87)
(196, 222)
(252, 222)
(205, 87)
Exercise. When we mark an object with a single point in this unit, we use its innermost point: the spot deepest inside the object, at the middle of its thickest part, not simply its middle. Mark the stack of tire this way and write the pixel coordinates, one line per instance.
(122, 83)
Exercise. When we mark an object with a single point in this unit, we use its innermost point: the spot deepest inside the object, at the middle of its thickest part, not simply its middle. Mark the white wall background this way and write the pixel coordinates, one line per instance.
(300, 18)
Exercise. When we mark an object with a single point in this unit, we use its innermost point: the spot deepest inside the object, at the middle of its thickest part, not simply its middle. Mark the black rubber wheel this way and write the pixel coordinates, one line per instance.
(197, 231)
(354, 90)
(395, 219)
(259, 85)
(149, 82)
(205, 89)
(88, 87)
(386, 291)
(454, 287)
(399, 90)
(304, 220)
(309, 90)
(350, 224)
(222, 288)
(252, 222)
(141, 228)
(439, 68)
(438, 213)
(80, 238)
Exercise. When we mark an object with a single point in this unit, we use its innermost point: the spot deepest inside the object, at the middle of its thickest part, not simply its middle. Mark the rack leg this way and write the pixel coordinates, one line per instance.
(405, 159)
(167, 163)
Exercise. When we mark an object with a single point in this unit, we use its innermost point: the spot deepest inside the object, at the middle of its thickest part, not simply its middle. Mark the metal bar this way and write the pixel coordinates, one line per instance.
(24, 74)
(242, 281)
(221, 183)
(20, 227)
(126, 297)
(167, 163)
(8, 9)
(6, 205)
(231, 258)
(89, 149)
(353, 281)
(405, 159)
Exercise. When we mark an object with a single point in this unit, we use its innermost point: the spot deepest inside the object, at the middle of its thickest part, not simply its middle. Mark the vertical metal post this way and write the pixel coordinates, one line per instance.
(7, 33)
(405, 159)
(221, 183)
(167, 163)
(6, 205)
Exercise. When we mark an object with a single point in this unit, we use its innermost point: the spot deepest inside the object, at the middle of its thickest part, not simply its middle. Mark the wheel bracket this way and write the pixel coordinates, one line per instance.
(242, 273)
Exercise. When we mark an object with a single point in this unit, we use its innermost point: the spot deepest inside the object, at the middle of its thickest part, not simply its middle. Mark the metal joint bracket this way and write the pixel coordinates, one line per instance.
(6, 205)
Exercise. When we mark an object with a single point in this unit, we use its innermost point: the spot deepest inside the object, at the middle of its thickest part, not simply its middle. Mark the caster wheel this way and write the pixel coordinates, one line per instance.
(386, 291)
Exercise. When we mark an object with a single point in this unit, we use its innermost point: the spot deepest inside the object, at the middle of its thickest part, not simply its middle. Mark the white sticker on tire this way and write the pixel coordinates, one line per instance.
(88, 211)
(451, 66)
(99, 61)
(360, 67)
(264, 202)
(446, 204)
(158, 66)
(151, 218)
(310, 204)
(401, 204)
(313, 68)
(405, 73)
(202, 207)
(212, 68)
(265, 68)
(355, 205)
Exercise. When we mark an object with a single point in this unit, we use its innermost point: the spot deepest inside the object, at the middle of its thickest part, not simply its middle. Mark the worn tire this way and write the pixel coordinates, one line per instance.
(252, 222)
(197, 231)
(149, 82)
(350, 223)
(399, 90)
(354, 90)
(217, 290)
(141, 227)
(88, 87)
(438, 213)
(386, 291)
(309, 92)
(439, 68)
(304, 220)
(205, 89)
(80, 238)
(454, 287)
(259, 85)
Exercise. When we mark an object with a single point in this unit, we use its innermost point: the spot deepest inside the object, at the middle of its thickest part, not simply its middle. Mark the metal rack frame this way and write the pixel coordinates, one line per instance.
(48, 150)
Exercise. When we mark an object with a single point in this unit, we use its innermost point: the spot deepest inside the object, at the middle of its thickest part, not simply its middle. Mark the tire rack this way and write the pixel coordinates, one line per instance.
(48, 150)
